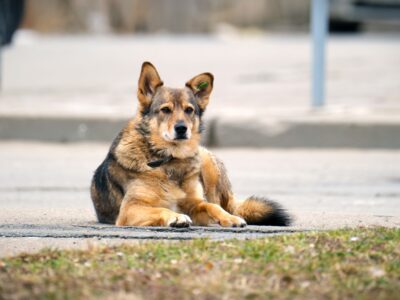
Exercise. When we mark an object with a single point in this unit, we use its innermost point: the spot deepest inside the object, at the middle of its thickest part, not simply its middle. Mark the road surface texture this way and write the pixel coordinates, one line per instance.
(44, 193)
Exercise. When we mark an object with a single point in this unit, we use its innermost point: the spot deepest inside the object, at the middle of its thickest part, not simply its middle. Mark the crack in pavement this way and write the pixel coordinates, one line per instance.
(151, 233)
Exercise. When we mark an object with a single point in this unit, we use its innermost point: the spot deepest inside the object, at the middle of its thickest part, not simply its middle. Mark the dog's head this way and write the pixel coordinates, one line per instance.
(173, 116)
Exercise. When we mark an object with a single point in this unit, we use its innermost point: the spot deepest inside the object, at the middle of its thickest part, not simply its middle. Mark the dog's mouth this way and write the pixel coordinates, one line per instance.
(175, 137)
(181, 137)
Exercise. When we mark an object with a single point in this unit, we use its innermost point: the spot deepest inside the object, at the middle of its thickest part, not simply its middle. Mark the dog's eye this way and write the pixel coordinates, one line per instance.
(188, 110)
(166, 110)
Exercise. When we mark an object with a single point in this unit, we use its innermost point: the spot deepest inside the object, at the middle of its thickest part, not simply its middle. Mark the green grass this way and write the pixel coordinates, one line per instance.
(343, 264)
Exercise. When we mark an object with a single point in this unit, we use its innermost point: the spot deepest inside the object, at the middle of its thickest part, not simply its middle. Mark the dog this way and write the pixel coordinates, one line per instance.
(157, 174)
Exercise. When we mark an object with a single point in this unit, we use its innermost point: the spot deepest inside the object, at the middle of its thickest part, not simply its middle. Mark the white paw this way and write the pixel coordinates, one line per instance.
(240, 222)
(232, 221)
(180, 220)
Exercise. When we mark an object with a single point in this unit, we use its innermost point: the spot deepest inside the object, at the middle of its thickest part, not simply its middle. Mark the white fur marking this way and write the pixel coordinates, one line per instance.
(179, 220)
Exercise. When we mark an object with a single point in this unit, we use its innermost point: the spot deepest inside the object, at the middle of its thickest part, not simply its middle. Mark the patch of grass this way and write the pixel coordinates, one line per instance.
(342, 264)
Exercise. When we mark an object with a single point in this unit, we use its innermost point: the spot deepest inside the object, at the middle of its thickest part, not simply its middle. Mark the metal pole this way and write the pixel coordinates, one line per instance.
(319, 25)
(1, 68)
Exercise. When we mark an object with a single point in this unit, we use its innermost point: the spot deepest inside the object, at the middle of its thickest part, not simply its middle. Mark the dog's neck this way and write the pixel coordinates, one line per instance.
(160, 162)
(160, 154)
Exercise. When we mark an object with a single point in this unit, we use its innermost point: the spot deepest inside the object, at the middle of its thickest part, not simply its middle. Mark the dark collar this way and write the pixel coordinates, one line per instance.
(159, 162)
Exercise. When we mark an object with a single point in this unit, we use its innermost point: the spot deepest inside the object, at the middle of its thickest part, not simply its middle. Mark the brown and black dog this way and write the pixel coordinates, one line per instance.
(157, 174)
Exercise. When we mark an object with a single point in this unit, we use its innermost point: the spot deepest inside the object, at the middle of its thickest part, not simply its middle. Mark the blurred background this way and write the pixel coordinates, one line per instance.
(204, 17)
(69, 72)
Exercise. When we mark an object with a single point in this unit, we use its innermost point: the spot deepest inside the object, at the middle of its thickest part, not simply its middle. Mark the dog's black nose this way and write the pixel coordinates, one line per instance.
(180, 129)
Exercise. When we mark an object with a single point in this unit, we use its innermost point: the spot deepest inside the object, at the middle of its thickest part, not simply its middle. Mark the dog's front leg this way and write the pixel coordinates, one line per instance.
(136, 214)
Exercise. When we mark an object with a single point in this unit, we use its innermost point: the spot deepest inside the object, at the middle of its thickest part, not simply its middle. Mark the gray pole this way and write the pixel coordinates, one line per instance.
(1, 67)
(319, 22)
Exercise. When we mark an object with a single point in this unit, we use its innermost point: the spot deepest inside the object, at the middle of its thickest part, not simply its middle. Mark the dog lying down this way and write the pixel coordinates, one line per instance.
(157, 174)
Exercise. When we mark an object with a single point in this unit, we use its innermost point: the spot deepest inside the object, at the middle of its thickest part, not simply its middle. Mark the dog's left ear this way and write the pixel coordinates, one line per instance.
(149, 81)
(201, 85)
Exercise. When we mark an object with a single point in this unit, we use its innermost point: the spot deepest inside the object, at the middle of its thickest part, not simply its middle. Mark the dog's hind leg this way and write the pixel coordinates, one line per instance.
(217, 189)
(204, 213)
(214, 179)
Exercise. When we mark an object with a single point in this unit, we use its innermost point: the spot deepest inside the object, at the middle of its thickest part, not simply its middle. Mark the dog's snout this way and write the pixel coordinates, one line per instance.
(180, 128)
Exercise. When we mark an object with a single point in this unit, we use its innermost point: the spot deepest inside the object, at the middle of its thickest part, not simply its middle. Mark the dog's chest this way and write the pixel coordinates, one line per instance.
(179, 171)
(178, 174)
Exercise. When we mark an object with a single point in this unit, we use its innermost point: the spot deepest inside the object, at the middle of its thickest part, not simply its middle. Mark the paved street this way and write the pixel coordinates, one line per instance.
(44, 195)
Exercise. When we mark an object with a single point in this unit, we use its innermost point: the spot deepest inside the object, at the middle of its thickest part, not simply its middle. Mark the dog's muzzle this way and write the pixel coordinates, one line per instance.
(180, 131)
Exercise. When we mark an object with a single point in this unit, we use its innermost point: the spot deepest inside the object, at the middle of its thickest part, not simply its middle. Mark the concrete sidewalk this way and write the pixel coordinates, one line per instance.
(77, 88)
(45, 202)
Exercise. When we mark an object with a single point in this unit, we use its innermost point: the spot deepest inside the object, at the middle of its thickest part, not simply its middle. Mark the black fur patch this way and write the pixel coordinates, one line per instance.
(101, 185)
(116, 185)
(100, 178)
(276, 217)
(159, 162)
(103, 181)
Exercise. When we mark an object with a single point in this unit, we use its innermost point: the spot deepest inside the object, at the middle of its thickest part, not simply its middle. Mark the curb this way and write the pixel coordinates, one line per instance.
(307, 134)
(220, 132)
(59, 129)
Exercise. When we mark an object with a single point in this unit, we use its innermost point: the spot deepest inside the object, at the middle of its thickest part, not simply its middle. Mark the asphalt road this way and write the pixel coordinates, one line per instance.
(44, 193)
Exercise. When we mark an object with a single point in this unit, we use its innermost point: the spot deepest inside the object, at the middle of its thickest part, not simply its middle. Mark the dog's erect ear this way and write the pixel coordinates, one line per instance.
(201, 85)
(149, 81)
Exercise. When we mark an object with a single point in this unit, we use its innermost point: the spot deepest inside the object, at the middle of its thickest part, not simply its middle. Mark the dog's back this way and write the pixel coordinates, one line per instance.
(107, 188)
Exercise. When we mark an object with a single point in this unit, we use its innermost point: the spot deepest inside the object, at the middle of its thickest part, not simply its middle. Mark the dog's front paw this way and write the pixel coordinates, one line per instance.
(232, 221)
(179, 220)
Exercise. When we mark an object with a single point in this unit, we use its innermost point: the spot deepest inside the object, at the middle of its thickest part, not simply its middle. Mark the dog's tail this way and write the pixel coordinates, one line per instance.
(262, 211)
